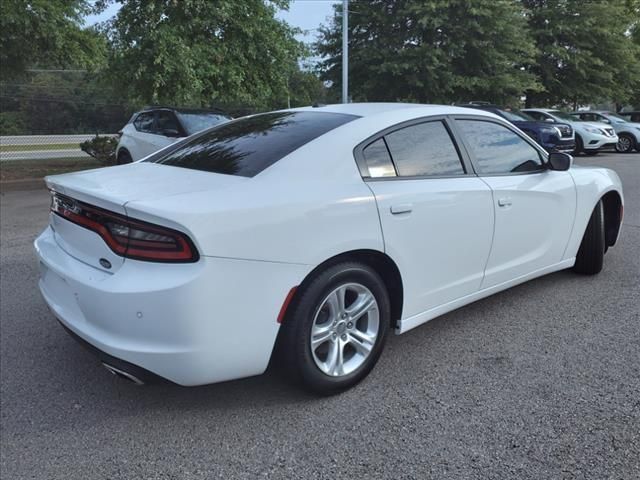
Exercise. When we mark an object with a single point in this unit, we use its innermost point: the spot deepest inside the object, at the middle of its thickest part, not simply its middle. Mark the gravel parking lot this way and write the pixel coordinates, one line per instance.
(541, 382)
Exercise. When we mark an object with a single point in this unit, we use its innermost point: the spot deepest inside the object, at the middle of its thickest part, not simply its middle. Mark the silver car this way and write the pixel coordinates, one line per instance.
(628, 132)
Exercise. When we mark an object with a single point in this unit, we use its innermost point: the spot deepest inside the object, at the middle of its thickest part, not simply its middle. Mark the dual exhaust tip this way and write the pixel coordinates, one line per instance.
(122, 374)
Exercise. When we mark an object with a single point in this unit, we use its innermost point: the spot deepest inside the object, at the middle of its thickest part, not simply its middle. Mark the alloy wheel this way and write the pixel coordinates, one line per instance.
(624, 144)
(344, 330)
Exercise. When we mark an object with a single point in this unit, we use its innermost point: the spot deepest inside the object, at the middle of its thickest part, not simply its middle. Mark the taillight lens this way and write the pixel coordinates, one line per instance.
(125, 236)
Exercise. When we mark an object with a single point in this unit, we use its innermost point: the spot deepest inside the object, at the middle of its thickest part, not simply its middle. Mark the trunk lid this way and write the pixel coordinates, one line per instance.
(111, 189)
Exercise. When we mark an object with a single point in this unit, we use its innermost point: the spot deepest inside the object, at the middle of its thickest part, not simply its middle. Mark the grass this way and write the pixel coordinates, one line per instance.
(36, 169)
(44, 146)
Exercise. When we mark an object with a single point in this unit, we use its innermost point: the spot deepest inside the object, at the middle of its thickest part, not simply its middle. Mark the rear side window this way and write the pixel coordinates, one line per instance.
(425, 149)
(498, 150)
(247, 146)
(378, 160)
(144, 122)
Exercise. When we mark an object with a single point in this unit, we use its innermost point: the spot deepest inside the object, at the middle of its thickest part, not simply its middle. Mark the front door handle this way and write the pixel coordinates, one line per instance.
(401, 208)
(504, 202)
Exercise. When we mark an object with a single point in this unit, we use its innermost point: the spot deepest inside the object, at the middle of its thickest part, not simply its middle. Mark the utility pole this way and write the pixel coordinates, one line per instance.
(345, 51)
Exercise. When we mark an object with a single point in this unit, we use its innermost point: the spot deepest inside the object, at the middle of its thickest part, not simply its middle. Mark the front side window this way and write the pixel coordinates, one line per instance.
(498, 150)
(425, 149)
(144, 122)
(247, 146)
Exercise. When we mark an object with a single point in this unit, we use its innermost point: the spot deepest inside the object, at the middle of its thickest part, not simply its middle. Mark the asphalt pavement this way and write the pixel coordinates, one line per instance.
(539, 382)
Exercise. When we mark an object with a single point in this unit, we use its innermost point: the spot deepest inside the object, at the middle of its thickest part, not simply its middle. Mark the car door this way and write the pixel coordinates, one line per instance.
(144, 137)
(534, 206)
(436, 215)
(167, 129)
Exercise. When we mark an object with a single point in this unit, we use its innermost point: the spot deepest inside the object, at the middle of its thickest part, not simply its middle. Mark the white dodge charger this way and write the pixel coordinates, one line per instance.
(311, 233)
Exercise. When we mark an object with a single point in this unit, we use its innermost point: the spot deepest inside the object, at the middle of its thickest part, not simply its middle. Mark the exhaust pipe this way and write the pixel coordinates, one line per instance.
(122, 374)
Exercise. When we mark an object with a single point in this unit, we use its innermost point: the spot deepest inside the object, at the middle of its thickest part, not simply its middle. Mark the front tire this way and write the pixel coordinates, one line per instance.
(336, 328)
(579, 146)
(590, 258)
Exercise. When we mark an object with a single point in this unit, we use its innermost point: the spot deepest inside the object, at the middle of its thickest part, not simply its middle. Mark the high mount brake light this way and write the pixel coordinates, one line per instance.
(127, 237)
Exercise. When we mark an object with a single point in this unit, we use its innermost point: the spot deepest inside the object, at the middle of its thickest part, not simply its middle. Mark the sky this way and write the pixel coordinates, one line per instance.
(304, 14)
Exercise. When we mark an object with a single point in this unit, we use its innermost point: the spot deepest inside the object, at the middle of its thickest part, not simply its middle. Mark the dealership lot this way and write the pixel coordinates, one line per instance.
(541, 381)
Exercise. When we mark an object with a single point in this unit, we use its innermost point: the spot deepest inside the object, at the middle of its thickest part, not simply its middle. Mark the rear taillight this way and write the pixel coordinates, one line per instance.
(125, 236)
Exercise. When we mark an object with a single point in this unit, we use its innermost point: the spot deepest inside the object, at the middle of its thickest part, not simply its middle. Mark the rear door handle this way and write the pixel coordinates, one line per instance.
(504, 202)
(401, 208)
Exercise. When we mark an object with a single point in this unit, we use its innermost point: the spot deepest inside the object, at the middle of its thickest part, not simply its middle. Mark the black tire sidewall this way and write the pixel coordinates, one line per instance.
(304, 313)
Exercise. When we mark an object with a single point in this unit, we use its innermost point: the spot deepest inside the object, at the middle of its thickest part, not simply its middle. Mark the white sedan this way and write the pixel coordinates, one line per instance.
(311, 233)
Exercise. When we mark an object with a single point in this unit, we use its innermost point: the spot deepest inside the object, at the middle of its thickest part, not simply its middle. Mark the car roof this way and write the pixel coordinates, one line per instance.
(375, 108)
(151, 108)
(547, 110)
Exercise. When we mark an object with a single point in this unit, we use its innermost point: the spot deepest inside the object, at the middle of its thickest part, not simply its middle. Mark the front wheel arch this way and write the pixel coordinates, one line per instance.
(612, 203)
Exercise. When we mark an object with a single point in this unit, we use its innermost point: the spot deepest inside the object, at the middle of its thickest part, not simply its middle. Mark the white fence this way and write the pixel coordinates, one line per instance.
(42, 147)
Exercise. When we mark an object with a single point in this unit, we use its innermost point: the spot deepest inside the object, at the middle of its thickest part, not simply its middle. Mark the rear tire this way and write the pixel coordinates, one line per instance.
(325, 345)
(590, 258)
(124, 157)
(626, 143)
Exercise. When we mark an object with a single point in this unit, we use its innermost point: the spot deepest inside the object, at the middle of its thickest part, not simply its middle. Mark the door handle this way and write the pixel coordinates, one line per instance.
(504, 202)
(401, 208)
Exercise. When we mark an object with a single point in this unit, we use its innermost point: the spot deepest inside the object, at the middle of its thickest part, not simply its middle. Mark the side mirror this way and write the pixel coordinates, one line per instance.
(560, 161)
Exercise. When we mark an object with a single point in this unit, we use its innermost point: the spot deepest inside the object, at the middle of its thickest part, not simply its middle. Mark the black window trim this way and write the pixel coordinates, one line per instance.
(358, 154)
(544, 156)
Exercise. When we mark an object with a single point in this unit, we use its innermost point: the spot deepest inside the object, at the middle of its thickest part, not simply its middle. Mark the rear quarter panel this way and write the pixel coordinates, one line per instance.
(306, 208)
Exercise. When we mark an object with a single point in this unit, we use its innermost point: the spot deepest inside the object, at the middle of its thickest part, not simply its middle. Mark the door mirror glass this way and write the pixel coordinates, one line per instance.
(560, 161)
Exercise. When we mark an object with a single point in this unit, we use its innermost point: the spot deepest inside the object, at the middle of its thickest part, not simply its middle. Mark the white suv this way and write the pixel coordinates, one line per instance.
(628, 132)
(591, 137)
(154, 128)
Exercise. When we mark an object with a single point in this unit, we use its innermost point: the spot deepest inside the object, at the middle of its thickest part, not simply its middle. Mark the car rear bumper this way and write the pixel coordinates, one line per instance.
(192, 324)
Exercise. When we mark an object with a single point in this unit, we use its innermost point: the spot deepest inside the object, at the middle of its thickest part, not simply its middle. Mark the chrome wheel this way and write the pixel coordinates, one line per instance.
(624, 144)
(344, 329)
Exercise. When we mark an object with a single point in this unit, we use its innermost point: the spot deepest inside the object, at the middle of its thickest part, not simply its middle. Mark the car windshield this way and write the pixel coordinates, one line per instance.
(194, 122)
(615, 117)
(248, 145)
(564, 116)
(517, 116)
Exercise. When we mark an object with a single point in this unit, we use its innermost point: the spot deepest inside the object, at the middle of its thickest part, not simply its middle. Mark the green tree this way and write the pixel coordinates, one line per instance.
(431, 51)
(47, 33)
(586, 51)
(199, 52)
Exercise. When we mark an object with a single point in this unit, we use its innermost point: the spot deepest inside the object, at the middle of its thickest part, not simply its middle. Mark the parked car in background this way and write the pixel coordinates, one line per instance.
(590, 137)
(154, 128)
(558, 137)
(315, 232)
(628, 132)
(631, 116)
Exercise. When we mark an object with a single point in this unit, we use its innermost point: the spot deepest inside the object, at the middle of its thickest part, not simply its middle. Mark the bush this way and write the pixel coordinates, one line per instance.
(102, 149)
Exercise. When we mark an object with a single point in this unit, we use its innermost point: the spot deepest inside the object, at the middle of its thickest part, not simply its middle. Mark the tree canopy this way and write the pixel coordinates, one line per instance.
(198, 52)
(48, 34)
(585, 50)
(431, 51)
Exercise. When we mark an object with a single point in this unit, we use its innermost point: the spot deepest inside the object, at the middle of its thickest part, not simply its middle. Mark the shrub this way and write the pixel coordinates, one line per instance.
(102, 149)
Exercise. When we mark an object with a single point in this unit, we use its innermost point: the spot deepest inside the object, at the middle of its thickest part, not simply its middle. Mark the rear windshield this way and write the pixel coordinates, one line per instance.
(248, 145)
(196, 122)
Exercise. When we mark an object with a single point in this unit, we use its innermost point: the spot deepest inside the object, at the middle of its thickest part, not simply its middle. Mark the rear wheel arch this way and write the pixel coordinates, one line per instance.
(123, 156)
(380, 262)
(612, 204)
